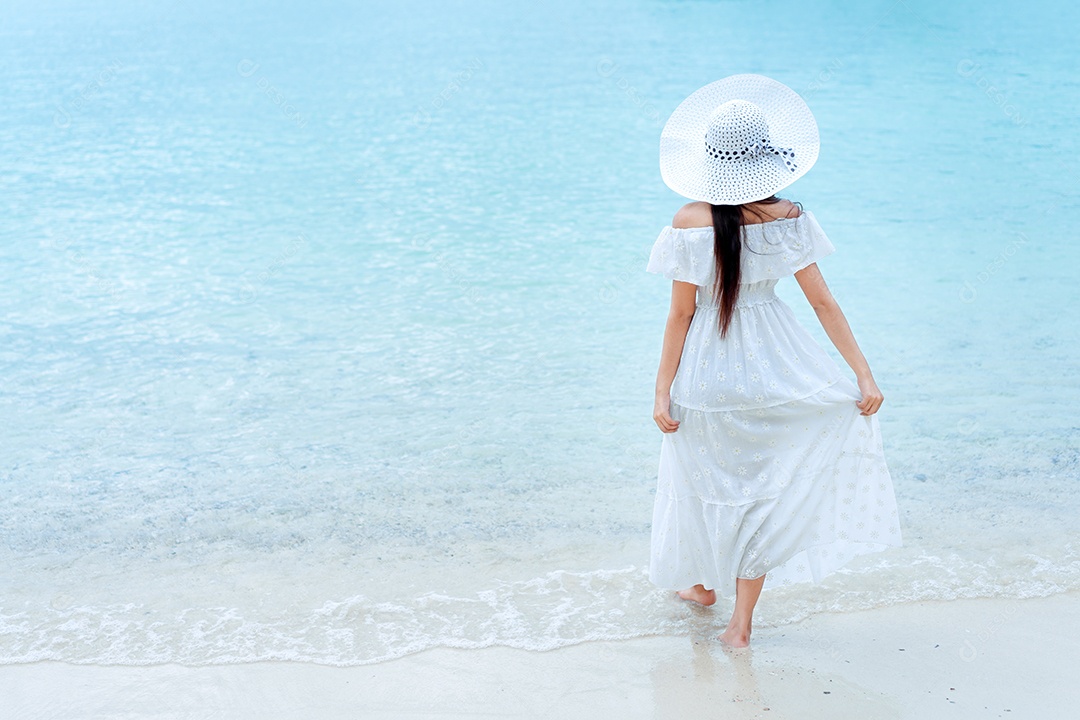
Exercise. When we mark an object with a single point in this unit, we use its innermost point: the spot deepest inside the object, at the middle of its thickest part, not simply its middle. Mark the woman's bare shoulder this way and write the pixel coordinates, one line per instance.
(693, 215)
(784, 209)
(791, 210)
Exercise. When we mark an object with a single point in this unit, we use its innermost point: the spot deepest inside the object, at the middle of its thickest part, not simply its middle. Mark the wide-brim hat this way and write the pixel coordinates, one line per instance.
(738, 140)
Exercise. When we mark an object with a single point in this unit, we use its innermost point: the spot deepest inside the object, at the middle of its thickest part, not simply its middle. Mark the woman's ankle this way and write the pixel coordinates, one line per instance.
(742, 623)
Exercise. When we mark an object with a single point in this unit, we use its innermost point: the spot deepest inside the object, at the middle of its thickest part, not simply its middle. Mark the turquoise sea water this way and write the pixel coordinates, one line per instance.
(327, 336)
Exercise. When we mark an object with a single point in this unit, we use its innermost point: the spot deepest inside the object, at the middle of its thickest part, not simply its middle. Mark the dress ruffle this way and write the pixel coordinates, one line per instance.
(771, 250)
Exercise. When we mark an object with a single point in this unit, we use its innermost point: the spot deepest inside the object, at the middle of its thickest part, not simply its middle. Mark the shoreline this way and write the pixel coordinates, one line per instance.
(982, 657)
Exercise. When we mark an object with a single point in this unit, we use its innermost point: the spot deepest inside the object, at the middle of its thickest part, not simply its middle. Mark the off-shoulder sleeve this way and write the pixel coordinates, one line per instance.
(778, 253)
(684, 254)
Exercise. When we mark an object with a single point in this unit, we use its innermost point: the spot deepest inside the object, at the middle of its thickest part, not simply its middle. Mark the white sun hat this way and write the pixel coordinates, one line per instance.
(738, 140)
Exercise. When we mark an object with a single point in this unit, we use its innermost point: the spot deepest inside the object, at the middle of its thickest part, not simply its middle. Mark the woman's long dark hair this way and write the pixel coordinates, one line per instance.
(727, 241)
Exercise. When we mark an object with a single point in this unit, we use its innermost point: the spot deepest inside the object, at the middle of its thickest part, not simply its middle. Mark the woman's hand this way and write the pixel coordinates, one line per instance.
(662, 415)
(871, 396)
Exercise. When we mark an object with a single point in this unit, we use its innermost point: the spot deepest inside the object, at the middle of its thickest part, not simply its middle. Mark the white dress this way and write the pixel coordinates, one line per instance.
(773, 469)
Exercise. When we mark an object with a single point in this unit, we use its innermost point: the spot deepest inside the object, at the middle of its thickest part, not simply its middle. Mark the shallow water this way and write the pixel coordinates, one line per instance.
(327, 334)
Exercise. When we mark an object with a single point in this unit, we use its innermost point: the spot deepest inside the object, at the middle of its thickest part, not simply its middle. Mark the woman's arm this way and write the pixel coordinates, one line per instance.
(836, 327)
(683, 305)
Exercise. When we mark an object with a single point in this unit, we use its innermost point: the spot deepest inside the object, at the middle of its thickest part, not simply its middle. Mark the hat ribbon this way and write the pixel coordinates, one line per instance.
(757, 148)
(786, 154)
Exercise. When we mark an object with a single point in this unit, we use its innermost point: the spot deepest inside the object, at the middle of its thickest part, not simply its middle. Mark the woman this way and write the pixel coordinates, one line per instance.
(771, 460)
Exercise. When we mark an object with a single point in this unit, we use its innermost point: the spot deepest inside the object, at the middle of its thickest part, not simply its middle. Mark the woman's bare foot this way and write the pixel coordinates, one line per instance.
(699, 594)
(735, 636)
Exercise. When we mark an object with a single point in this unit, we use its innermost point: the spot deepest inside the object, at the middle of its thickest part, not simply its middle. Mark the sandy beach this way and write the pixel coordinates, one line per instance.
(977, 658)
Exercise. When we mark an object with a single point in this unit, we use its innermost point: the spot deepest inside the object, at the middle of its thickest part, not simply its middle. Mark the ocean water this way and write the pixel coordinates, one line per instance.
(327, 335)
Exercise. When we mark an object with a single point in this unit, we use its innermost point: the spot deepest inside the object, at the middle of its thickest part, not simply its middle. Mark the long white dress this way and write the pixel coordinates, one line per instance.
(773, 469)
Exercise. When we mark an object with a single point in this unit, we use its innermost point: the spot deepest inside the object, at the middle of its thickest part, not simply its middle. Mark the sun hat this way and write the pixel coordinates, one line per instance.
(737, 140)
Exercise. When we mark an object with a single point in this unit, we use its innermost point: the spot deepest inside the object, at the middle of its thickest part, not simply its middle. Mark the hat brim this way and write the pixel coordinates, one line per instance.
(688, 169)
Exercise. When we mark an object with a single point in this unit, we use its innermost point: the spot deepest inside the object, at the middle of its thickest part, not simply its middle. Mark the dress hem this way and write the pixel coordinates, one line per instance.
(873, 548)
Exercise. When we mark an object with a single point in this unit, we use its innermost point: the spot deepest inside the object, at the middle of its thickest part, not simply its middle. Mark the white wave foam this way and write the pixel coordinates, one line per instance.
(554, 610)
